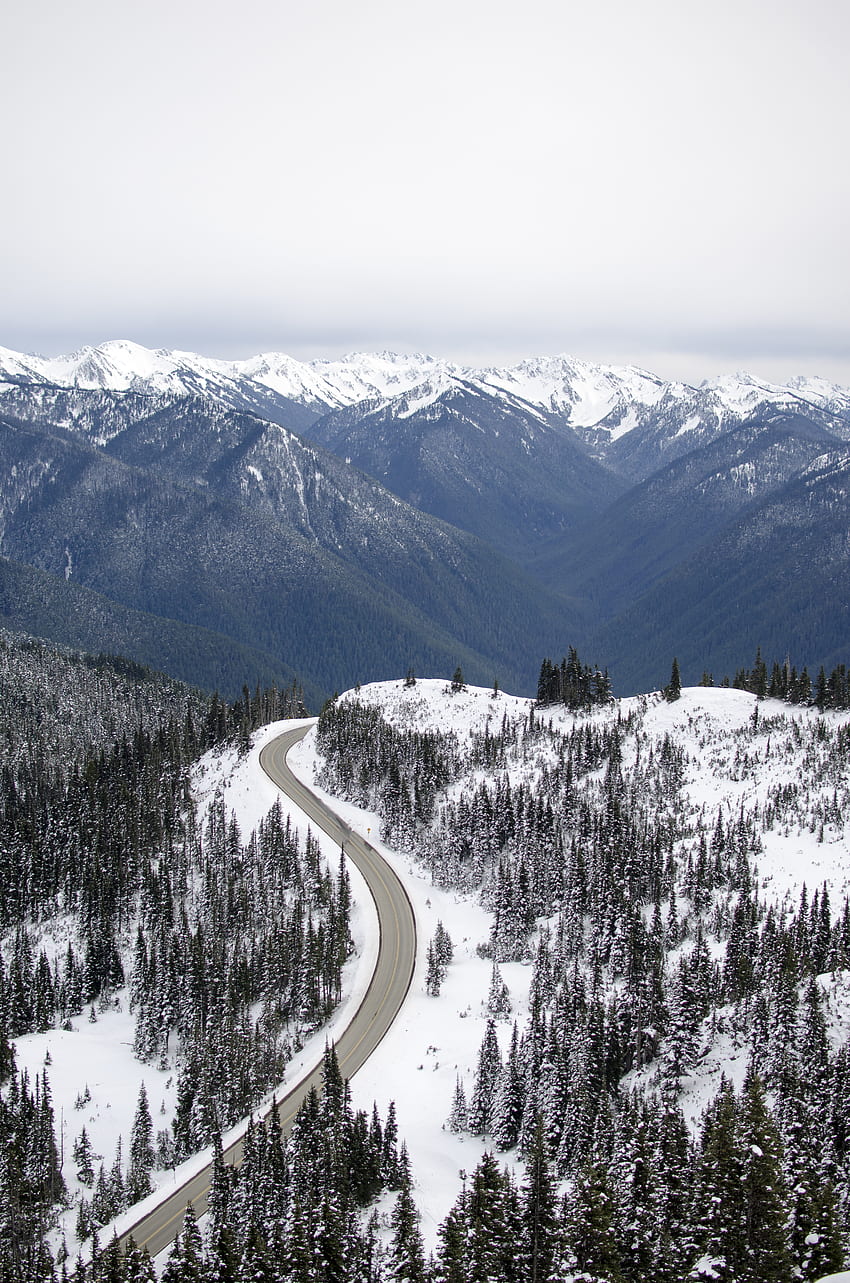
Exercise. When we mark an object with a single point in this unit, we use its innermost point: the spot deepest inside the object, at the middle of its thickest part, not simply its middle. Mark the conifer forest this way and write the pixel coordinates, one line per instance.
(670, 1102)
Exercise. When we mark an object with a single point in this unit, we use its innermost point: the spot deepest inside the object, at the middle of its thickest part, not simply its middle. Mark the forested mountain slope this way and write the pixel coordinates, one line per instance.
(487, 462)
(237, 527)
(63, 612)
(682, 509)
(778, 575)
(648, 943)
(116, 893)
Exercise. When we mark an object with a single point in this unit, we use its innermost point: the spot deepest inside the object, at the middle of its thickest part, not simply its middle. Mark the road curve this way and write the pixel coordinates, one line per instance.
(381, 1003)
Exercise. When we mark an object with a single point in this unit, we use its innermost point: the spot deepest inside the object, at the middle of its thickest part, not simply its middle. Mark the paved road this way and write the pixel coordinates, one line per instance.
(389, 985)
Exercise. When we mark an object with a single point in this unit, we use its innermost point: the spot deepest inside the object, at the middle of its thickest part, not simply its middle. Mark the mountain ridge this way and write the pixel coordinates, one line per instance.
(551, 383)
(452, 515)
(269, 540)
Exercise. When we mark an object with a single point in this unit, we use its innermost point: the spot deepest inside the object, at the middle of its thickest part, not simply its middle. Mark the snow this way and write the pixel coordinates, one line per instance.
(117, 366)
(290, 378)
(424, 394)
(693, 421)
(586, 393)
(710, 723)
(433, 1039)
(361, 376)
(705, 722)
(736, 752)
(629, 420)
(440, 1036)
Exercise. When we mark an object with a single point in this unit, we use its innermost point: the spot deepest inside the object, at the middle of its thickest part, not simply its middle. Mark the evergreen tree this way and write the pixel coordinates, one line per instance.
(434, 972)
(83, 1159)
(406, 1261)
(590, 1227)
(540, 1229)
(762, 1189)
(443, 945)
(673, 689)
(492, 1225)
(716, 1210)
(498, 999)
(457, 1119)
(452, 1254)
(185, 1262)
(141, 1155)
(489, 1066)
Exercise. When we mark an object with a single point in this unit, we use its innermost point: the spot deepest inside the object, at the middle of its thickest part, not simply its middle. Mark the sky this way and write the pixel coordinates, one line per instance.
(655, 182)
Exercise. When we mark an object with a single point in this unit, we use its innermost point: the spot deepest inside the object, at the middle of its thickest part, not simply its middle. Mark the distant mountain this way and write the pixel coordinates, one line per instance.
(777, 576)
(476, 456)
(436, 515)
(680, 509)
(682, 421)
(230, 523)
(603, 404)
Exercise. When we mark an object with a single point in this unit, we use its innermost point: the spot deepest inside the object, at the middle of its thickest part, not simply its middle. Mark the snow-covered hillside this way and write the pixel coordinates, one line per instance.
(735, 758)
(715, 760)
(94, 1076)
(738, 752)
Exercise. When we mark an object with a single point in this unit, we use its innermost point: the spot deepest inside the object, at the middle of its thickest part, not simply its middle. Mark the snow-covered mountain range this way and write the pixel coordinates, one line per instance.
(592, 503)
(612, 400)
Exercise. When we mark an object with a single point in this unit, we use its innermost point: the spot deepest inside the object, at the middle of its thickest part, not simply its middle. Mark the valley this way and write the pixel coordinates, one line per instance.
(214, 518)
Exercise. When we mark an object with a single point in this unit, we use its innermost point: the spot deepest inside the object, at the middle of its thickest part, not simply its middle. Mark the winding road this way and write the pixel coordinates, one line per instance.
(381, 1003)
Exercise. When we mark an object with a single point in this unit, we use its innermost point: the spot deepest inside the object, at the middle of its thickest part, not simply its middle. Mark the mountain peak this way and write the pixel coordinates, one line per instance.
(606, 399)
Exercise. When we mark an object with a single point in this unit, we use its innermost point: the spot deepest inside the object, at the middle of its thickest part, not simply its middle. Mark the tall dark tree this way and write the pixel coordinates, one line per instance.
(673, 689)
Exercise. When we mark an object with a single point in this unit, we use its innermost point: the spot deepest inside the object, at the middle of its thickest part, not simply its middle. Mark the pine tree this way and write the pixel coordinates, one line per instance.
(493, 1225)
(506, 1109)
(498, 999)
(390, 1173)
(762, 1190)
(443, 945)
(673, 689)
(540, 1227)
(406, 1261)
(141, 1156)
(590, 1226)
(456, 1121)
(138, 1266)
(221, 1248)
(489, 1065)
(83, 1159)
(185, 1263)
(716, 1210)
(451, 1265)
(434, 972)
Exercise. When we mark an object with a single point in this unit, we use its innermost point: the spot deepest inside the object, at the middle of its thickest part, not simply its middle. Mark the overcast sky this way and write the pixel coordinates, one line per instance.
(662, 182)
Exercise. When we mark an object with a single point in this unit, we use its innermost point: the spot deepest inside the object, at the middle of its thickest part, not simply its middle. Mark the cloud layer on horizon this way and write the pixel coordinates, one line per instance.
(626, 182)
